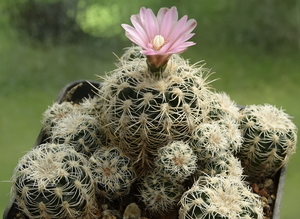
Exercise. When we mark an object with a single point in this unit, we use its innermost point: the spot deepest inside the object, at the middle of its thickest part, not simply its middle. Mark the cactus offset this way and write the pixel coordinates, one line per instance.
(270, 137)
(54, 181)
(176, 161)
(224, 163)
(79, 130)
(159, 194)
(220, 106)
(54, 114)
(220, 197)
(209, 139)
(113, 172)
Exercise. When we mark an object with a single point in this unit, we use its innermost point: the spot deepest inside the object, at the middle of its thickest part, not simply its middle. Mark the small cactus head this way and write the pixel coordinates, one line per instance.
(176, 161)
(270, 138)
(220, 197)
(208, 140)
(219, 106)
(54, 181)
(159, 194)
(54, 114)
(79, 130)
(112, 172)
(225, 164)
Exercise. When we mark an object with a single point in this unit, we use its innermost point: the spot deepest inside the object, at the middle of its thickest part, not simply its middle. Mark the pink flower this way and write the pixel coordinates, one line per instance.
(162, 35)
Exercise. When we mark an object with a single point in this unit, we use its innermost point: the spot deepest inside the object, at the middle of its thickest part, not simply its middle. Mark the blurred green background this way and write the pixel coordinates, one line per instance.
(253, 46)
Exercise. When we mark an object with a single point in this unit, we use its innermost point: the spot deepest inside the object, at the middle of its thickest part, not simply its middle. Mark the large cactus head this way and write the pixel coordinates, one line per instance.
(220, 197)
(54, 181)
(112, 172)
(142, 111)
(270, 138)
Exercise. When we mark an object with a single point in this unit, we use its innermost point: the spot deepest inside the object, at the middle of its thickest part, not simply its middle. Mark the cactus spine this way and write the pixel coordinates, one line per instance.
(269, 139)
(54, 181)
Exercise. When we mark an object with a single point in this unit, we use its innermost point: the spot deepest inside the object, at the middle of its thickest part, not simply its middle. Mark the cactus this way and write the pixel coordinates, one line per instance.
(54, 181)
(176, 161)
(232, 132)
(208, 140)
(112, 172)
(54, 114)
(220, 197)
(220, 106)
(90, 106)
(159, 194)
(78, 130)
(225, 164)
(142, 111)
(270, 137)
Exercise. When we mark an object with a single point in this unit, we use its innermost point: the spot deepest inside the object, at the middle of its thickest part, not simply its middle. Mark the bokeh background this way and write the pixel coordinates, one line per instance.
(252, 46)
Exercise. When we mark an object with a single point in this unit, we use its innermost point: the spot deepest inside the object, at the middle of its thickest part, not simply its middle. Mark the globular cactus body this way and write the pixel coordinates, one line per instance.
(270, 138)
(159, 194)
(209, 139)
(54, 181)
(55, 113)
(225, 164)
(219, 106)
(176, 161)
(220, 197)
(79, 130)
(112, 172)
(142, 110)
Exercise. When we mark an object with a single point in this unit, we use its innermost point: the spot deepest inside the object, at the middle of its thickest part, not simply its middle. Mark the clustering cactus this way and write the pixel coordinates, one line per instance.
(141, 110)
(154, 124)
(54, 181)
(112, 172)
(79, 130)
(269, 139)
(220, 197)
(176, 161)
(159, 194)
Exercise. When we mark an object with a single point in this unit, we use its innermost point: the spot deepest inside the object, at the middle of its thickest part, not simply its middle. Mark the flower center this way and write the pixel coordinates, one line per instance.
(158, 42)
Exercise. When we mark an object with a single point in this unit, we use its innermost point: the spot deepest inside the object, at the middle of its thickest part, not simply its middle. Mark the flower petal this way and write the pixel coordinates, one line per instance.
(168, 22)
